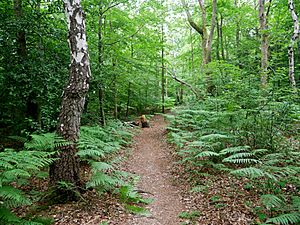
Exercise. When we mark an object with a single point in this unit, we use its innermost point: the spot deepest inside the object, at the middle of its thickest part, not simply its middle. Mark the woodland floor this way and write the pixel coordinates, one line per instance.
(222, 200)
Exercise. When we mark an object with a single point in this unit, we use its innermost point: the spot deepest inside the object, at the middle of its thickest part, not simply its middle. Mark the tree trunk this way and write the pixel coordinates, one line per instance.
(264, 41)
(66, 167)
(207, 38)
(162, 71)
(218, 41)
(192, 50)
(101, 93)
(221, 38)
(128, 100)
(294, 38)
(21, 38)
(101, 105)
(220, 44)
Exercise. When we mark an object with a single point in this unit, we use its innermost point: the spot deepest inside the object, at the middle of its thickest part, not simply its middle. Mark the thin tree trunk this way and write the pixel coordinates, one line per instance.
(101, 105)
(221, 38)
(220, 44)
(101, 91)
(128, 100)
(21, 36)
(115, 96)
(237, 33)
(218, 40)
(181, 93)
(264, 41)
(66, 167)
(192, 50)
(294, 38)
(162, 71)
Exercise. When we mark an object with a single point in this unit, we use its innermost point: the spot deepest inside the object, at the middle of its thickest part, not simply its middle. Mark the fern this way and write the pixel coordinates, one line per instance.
(252, 172)
(214, 137)
(271, 201)
(101, 166)
(206, 154)
(17, 167)
(102, 181)
(234, 150)
(13, 197)
(241, 161)
(285, 219)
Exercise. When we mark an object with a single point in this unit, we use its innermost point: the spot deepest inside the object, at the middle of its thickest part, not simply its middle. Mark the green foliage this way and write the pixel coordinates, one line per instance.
(249, 134)
(98, 146)
(16, 168)
(291, 218)
(189, 215)
(131, 198)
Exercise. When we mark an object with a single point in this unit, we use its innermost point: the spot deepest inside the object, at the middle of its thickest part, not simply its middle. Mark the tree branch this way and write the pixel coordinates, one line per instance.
(190, 19)
(130, 36)
(174, 77)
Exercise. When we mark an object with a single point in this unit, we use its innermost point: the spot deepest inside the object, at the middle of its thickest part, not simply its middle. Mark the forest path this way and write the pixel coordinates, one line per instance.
(151, 159)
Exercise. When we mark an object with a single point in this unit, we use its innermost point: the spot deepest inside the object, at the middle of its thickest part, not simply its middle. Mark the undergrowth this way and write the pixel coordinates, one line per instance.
(98, 148)
(248, 134)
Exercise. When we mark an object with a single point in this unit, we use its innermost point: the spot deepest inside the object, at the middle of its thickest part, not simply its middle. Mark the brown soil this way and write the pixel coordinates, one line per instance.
(151, 159)
(223, 199)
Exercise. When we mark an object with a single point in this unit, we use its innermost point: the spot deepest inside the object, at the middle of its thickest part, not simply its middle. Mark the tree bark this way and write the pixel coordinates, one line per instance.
(293, 41)
(192, 51)
(264, 41)
(163, 79)
(21, 35)
(66, 167)
(101, 92)
(174, 77)
(128, 100)
(206, 36)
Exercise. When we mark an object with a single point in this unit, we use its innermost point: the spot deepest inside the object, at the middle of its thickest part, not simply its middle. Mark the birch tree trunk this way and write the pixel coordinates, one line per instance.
(66, 167)
(294, 38)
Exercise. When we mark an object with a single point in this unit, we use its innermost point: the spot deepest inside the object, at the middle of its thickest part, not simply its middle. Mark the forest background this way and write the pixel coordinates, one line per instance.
(231, 66)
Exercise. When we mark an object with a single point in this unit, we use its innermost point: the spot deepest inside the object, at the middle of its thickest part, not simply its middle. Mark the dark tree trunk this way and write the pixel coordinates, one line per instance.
(21, 36)
(128, 101)
(66, 167)
(162, 71)
(101, 105)
(101, 92)
(293, 41)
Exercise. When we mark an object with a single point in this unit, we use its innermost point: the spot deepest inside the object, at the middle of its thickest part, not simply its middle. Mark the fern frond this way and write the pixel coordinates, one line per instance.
(206, 154)
(7, 217)
(234, 150)
(240, 155)
(87, 153)
(259, 151)
(15, 173)
(252, 172)
(241, 161)
(13, 197)
(101, 166)
(198, 144)
(102, 180)
(271, 201)
(214, 137)
(285, 219)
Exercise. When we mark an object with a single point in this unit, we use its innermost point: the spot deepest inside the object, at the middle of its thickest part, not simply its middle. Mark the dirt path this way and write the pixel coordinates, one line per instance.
(151, 160)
